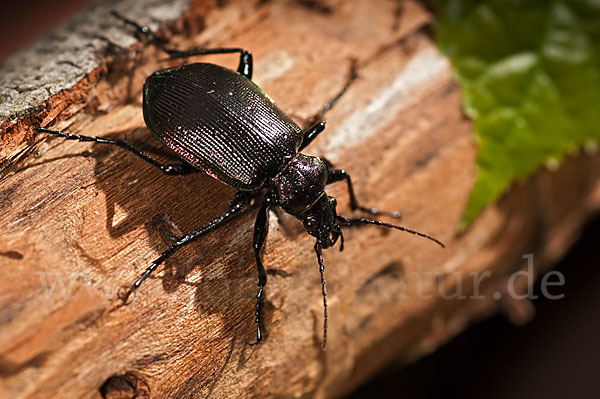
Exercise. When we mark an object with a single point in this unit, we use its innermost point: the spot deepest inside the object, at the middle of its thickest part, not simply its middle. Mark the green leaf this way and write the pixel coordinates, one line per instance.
(530, 73)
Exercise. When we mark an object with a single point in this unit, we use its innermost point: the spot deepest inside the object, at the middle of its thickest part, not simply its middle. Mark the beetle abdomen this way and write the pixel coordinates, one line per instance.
(220, 122)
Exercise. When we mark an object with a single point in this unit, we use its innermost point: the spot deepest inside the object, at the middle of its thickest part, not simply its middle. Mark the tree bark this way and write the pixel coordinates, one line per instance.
(79, 222)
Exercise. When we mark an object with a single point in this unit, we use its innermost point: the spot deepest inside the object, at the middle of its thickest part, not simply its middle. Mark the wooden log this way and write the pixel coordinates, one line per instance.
(78, 221)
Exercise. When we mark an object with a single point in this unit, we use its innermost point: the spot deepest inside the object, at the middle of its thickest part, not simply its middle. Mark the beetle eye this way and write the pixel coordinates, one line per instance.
(333, 201)
(309, 223)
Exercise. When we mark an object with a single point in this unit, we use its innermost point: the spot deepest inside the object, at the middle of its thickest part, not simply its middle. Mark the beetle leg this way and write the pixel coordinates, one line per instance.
(329, 104)
(244, 67)
(260, 235)
(237, 205)
(323, 290)
(170, 169)
(311, 134)
(336, 175)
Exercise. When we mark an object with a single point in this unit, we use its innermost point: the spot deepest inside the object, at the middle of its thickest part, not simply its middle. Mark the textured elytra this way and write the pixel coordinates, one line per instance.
(220, 122)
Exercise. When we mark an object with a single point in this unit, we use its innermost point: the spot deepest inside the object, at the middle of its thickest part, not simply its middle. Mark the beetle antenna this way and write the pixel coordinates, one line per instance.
(350, 222)
(322, 271)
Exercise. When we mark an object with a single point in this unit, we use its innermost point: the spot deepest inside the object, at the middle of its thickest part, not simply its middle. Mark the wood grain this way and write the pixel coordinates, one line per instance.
(80, 221)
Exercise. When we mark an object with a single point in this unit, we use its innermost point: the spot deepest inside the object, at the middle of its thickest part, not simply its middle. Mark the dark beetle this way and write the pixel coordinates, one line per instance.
(219, 121)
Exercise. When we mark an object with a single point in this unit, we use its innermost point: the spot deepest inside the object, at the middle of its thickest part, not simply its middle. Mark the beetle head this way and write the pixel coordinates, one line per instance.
(320, 221)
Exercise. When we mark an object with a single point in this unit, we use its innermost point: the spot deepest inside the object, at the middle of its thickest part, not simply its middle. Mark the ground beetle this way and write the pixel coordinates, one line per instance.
(218, 121)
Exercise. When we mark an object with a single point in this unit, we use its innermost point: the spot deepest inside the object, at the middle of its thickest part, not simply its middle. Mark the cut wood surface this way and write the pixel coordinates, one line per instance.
(79, 222)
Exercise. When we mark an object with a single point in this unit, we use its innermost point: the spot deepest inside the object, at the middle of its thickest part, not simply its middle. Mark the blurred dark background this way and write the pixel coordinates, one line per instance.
(24, 20)
(554, 356)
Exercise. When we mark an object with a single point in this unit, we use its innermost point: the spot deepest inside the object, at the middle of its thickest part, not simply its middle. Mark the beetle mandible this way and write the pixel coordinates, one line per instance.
(218, 121)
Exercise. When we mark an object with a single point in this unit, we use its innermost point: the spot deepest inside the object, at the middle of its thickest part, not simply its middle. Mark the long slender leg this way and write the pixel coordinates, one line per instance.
(323, 290)
(357, 221)
(260, 235)
(244, 67)
(170, 169)
(329, 104)
(351, 78)
(237, 205)
(336, 175)
(311, 134)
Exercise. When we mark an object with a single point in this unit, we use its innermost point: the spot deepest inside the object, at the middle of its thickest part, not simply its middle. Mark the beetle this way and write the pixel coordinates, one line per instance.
(219, 121)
